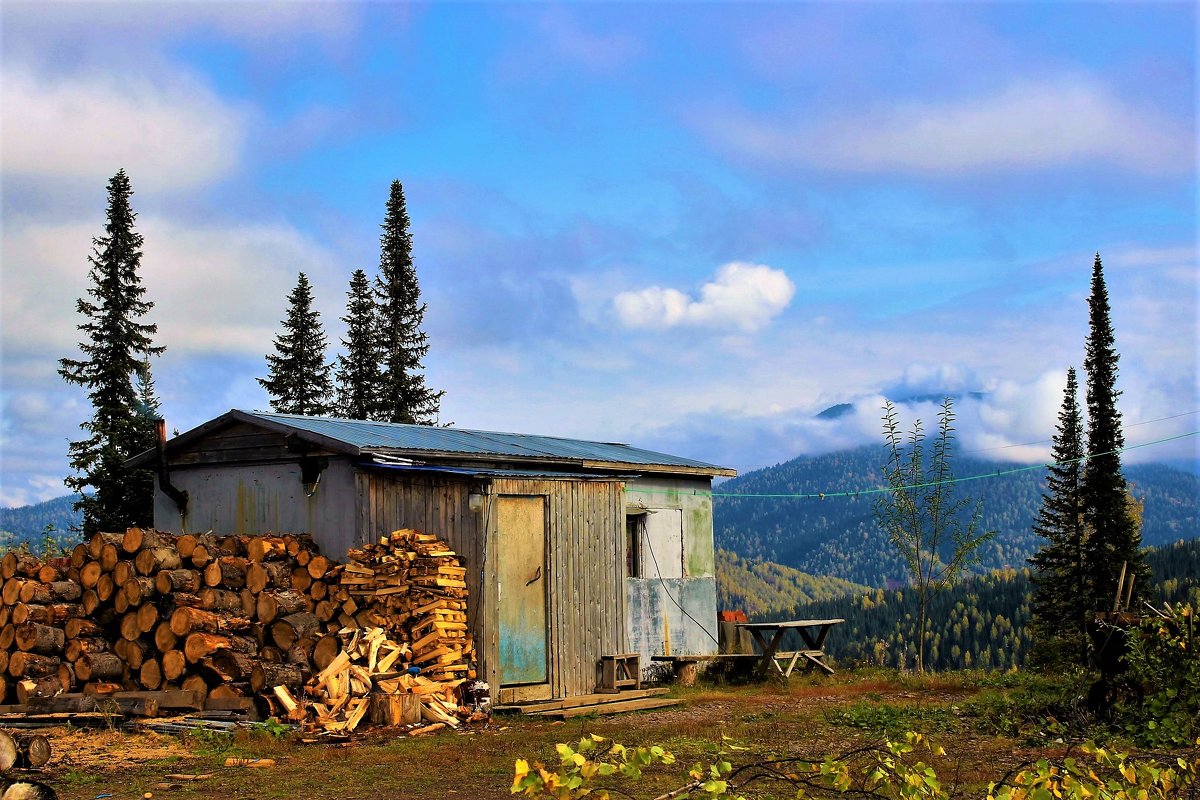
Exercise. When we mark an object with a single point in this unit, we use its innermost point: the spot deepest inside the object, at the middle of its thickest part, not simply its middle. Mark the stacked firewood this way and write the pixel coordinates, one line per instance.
(226, 617)
(415, 588)
(372, 676)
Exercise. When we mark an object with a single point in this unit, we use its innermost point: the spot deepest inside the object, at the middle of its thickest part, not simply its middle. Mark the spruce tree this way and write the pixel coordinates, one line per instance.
(1059, 579)
(403, 395)
(298, 377)
(115, 371)
(358, 370)
(1113, 536)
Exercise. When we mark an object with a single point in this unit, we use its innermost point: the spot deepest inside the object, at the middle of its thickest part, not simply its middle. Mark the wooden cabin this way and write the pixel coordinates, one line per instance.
(574, 549)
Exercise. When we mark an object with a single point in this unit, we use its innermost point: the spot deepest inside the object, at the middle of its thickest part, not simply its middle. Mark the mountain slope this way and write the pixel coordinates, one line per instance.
(981, 622)
(838, 536)
(28, 524)
(763, 588)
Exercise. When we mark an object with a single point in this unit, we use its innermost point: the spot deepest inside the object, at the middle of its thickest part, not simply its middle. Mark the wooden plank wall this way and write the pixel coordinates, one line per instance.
(586, 566)
(585, 549)
(389, 501)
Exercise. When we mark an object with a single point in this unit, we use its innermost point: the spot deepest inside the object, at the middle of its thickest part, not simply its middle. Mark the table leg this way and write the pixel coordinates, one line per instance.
(816, 643)
(818, 661)
(768, 650)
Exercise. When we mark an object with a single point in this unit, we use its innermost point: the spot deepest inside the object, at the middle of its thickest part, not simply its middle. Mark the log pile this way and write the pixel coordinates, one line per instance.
(23, 750)
(230, 617)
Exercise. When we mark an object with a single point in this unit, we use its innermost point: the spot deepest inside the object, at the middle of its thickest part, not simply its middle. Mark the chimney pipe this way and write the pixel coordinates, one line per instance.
(164, 479)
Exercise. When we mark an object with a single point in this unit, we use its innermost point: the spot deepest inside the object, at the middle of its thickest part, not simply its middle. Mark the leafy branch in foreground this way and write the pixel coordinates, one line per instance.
(892, 770)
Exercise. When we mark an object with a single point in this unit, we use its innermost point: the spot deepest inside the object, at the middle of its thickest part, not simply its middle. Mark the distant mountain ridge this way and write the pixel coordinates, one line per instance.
(838, 536)
(842, 409)
(834, 538)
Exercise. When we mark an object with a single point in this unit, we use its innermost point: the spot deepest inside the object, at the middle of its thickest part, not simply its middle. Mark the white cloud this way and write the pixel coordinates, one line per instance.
(220, 291)
(741, 296)
(169, 133)
(924, 378)
(1014, 420)
(217, 289)
(1026, 125)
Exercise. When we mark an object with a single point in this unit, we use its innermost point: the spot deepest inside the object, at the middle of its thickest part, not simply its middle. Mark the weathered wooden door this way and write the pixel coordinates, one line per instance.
(521, 574)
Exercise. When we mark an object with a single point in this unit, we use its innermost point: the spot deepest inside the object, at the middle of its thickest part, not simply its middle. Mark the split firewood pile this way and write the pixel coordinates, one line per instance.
(411, 661)
(413, 586)
(230, 618)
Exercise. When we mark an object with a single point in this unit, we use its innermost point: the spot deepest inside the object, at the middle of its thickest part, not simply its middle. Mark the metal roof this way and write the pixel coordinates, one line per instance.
(386, 437)
(484, 472)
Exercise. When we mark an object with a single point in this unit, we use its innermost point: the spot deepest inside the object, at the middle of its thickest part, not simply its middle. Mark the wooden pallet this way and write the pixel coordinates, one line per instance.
(589, 701)
(612, 707)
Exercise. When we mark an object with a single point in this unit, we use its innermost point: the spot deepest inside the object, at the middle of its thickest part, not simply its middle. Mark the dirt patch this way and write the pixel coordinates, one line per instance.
(811, 719)
(75, 749)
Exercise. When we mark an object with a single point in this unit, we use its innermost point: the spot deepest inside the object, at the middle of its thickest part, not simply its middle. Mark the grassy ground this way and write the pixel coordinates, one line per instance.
(988, 725)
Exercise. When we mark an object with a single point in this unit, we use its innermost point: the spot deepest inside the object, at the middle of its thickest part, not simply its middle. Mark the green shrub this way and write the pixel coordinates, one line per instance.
(1164, 668)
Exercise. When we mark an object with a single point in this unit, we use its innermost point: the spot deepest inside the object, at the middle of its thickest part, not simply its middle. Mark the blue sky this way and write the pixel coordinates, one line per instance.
(687, 226)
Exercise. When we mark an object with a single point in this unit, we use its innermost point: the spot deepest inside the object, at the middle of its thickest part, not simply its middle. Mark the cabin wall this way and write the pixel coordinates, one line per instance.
(672, 605)
(247, 481)
(584, 549)
(261, 498)
(585, 570)
(393, 500)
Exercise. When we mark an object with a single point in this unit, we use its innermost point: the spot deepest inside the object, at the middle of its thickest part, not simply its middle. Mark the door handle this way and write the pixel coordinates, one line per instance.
(536, 577)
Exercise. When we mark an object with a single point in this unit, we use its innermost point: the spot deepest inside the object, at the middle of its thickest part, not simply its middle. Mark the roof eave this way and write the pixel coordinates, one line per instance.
(579, 463)
(670, 469)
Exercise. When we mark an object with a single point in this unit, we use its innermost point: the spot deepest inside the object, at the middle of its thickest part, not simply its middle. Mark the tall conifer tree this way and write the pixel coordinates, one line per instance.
(403, 395)
(358, 370)
(298, 377)
(1059, 578)
(115, 371)
(1113, 536)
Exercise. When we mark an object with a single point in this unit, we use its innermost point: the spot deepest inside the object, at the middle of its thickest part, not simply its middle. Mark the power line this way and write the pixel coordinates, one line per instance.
(1048, 441)
(853, 493)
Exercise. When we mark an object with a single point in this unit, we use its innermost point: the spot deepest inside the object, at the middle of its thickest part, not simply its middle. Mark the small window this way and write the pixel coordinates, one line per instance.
(635, 525)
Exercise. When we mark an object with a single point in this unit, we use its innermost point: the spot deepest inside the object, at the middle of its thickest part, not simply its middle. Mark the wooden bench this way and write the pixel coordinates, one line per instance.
(685, 667)
(620, 671)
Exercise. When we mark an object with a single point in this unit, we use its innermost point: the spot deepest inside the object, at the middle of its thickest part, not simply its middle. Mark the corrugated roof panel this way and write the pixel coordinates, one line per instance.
(493, 473)
(394, 436)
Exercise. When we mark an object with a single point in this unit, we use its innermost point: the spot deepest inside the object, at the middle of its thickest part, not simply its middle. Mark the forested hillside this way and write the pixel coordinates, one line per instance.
(982, 622)
(762, 588)
(838, 536)
(27, 525)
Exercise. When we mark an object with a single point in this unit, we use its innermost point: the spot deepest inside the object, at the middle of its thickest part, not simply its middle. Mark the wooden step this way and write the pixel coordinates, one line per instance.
(581, 700)
(615, 707)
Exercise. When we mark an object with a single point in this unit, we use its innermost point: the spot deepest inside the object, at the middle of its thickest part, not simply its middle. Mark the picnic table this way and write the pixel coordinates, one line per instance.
(769, 636)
